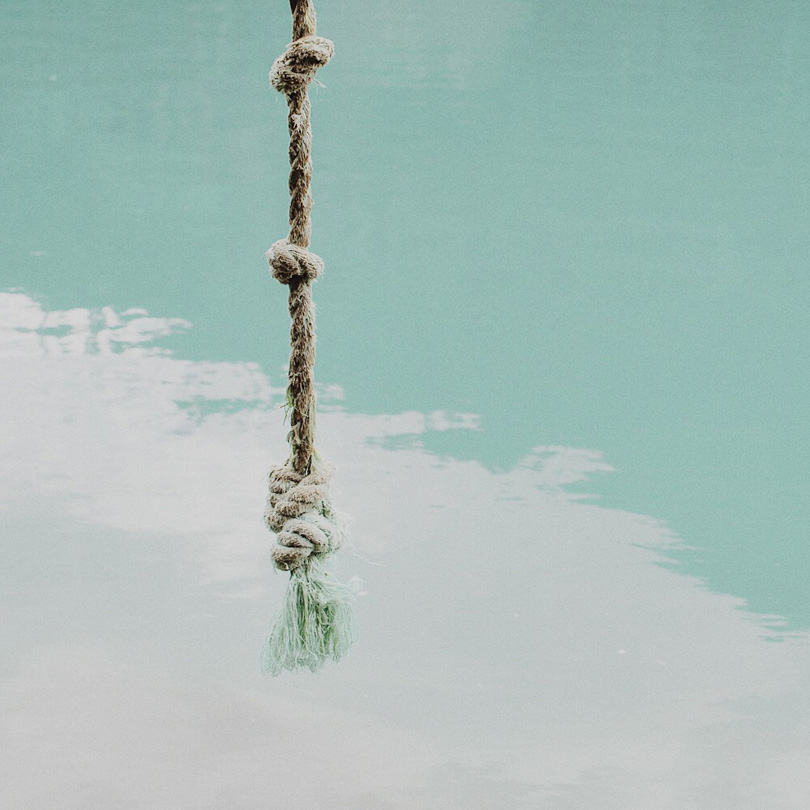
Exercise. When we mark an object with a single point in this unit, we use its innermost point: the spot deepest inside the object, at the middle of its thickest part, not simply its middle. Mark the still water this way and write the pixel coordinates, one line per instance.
(563, 351)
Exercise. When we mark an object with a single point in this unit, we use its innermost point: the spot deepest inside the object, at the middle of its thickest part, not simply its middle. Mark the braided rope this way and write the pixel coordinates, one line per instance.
(298, 509)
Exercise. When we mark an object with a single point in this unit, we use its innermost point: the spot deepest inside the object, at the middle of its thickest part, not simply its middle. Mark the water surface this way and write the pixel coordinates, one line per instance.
(563, 351)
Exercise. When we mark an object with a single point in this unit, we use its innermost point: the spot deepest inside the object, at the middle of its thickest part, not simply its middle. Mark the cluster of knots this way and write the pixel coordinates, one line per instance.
(298, 509)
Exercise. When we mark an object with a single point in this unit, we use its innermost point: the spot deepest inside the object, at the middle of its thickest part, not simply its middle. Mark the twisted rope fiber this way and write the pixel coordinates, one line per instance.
(316, 621)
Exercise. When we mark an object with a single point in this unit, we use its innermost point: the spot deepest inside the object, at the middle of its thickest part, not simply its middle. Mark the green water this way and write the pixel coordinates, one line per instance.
(584, 222)
(587, 225)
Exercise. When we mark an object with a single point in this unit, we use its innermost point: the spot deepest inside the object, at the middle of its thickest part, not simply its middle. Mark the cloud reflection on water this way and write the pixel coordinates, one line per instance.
(520, 645)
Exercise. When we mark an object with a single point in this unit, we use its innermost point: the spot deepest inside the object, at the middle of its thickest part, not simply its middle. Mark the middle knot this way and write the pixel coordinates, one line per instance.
(290, 261)
(297, 66)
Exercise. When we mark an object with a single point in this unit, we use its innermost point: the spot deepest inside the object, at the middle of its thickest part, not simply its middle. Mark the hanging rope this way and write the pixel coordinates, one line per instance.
(316, 620)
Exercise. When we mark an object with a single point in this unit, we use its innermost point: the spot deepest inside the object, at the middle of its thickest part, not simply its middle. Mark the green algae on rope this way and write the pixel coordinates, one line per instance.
(316, 622)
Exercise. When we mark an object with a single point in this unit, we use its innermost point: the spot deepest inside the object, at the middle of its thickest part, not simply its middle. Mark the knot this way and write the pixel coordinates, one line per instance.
(297, 66)
(290, 261)
(299, 512)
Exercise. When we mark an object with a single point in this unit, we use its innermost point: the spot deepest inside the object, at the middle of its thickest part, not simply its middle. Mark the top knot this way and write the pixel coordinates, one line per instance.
(297, 66)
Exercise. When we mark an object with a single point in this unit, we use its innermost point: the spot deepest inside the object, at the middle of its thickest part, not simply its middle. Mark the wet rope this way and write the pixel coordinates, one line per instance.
(316, 620)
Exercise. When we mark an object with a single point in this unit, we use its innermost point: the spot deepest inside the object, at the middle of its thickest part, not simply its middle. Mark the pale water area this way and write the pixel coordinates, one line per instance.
(563, 364)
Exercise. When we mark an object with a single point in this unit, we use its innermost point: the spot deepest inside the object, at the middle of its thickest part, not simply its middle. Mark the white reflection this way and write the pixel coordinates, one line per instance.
(520, 648)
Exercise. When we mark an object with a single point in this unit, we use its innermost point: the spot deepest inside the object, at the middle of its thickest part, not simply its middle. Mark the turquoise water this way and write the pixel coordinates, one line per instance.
(575, 227)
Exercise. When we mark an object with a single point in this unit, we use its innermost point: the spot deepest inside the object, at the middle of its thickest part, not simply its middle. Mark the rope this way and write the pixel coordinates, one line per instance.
(289, 259)
(316, 621)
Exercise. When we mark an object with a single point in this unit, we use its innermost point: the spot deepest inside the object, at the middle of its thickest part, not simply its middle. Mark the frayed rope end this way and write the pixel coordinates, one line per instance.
(315, 623)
